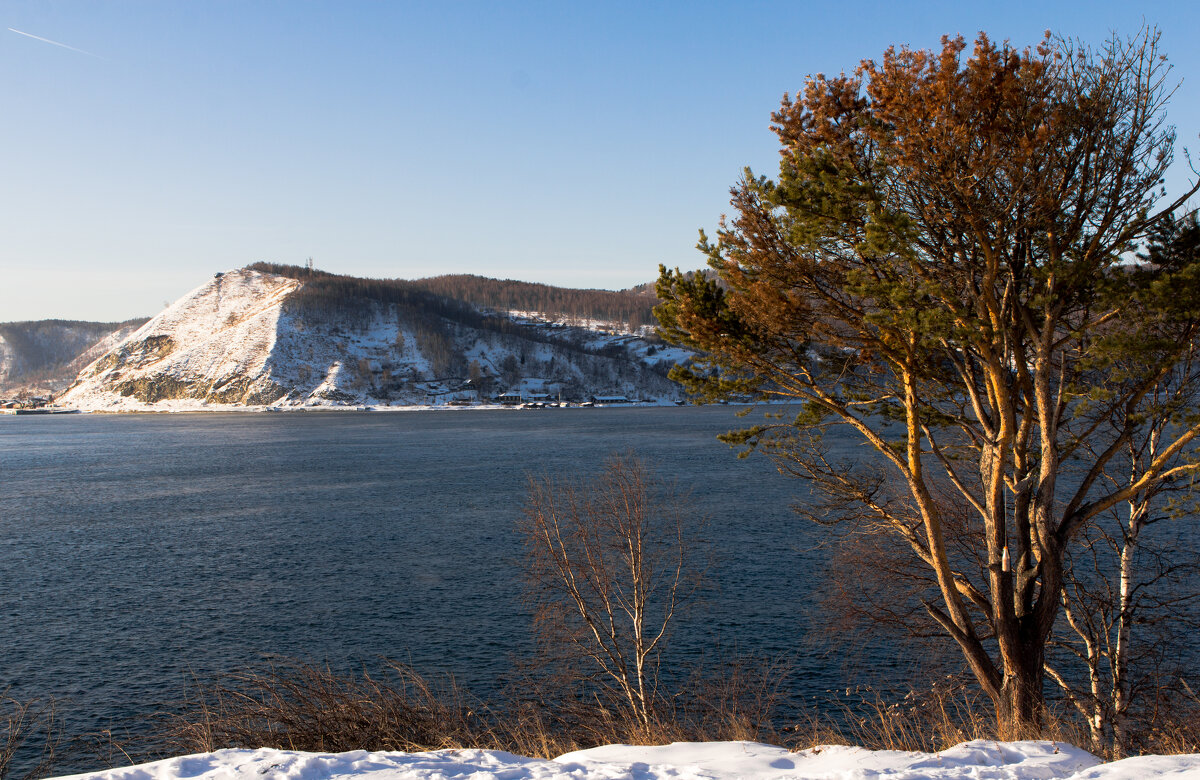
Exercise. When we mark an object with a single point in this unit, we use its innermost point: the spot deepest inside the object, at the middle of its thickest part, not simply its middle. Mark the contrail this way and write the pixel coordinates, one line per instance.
(55, 43)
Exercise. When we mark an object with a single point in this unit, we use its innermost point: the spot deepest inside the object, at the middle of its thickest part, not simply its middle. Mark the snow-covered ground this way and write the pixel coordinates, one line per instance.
(223, 330)
(979, 760)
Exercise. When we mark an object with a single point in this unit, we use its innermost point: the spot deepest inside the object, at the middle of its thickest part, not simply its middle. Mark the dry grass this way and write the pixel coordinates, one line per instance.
(295, 705)
(1174, 724)
(1180, 737)
(941, 716)
(30, 734)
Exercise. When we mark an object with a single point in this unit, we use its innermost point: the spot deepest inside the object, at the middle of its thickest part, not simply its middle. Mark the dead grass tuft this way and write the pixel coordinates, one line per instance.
(297, 705)
(30, 734)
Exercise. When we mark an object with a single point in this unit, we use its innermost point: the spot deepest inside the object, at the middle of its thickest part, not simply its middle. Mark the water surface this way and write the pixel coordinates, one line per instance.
(137, 550)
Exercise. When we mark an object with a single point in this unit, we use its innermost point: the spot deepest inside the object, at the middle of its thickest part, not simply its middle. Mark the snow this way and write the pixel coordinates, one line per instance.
(232, 344)
(8, 358)
(223, 329)
(978, 760)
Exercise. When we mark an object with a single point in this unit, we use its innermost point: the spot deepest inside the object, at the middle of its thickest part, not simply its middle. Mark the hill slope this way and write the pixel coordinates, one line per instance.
(44, 356)
(285, 336)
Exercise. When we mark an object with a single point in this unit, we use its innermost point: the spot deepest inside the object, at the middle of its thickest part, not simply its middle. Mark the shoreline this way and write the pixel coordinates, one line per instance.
(267, 409)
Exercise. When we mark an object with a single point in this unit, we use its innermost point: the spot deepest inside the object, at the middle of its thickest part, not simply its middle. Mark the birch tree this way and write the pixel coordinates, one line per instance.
(610, 562)
(1130, 593)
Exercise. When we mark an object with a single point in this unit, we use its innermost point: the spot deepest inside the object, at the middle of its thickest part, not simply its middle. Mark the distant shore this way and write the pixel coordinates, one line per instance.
(198, 408)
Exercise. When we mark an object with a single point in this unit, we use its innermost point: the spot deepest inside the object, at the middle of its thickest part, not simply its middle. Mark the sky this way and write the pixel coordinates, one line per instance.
(149, 144)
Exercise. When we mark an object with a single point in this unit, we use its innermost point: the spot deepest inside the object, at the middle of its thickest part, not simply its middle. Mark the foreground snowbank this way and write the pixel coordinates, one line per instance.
(980, 760)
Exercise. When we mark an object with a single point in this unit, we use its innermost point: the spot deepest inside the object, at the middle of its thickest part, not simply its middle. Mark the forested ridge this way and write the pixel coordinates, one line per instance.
(334, 296)
(631, 308)
(42, 353)
(41, 342)
(326, 293)
(459, 296)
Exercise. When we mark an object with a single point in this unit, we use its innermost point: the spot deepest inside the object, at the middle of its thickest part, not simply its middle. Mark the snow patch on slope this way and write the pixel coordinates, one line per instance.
(102, 347)
(8, 359)
(210, 345)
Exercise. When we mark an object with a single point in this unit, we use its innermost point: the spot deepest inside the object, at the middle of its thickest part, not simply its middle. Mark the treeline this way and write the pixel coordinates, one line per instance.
(452, 295)
(629, 308)
(356, 301)
(339, 295)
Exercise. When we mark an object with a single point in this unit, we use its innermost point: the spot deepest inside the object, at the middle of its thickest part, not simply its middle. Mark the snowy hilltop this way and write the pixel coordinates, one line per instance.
(257, 338)
(981, 760)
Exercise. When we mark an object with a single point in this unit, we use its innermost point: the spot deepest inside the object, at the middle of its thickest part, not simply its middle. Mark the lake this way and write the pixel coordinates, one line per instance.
(139, 550)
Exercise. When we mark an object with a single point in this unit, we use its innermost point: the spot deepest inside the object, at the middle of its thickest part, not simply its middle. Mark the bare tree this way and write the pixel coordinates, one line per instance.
(1130, 588)
(610, 561)
(1128, 605)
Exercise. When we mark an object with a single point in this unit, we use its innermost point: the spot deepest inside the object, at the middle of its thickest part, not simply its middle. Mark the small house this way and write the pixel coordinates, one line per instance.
(610, 399)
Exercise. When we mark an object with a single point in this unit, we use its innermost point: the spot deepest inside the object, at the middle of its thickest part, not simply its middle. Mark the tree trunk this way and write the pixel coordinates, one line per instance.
(1120, 654)
(1020, 706)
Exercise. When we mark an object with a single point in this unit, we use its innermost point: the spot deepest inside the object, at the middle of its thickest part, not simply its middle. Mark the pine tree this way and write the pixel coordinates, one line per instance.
(942, 270)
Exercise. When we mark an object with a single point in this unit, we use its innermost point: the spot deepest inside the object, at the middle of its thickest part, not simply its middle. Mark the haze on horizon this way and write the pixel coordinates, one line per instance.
(150, 145)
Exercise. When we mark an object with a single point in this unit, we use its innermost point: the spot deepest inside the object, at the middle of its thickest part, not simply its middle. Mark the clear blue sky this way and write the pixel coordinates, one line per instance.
(573, 143)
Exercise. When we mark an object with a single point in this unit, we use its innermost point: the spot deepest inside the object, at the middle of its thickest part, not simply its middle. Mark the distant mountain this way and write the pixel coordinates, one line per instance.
(646, 289)
(287, 336)
(43, 356)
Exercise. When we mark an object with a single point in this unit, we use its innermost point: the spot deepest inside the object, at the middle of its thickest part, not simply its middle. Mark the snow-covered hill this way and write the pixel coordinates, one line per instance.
(980, 760)
(253, 338)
